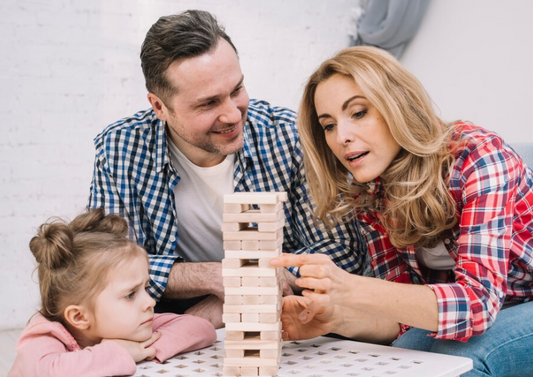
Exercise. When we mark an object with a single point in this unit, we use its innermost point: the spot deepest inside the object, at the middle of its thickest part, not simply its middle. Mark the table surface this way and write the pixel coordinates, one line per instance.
(319, 357)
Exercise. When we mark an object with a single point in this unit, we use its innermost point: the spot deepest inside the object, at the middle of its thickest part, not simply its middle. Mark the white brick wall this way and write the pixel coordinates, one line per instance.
(70, 67)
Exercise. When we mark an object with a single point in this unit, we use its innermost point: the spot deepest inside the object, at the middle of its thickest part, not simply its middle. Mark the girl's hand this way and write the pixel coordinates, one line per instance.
(139, 351)
(303, 319)
(324, 282)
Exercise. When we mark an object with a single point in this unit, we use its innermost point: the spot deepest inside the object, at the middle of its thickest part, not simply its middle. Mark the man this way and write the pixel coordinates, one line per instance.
(166, 169)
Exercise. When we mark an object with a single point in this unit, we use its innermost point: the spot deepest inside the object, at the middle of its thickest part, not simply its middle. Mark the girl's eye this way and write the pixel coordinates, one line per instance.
(359, 114)
(130, 295)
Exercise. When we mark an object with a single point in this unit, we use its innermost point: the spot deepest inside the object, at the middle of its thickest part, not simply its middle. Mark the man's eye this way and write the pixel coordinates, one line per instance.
(130, 295)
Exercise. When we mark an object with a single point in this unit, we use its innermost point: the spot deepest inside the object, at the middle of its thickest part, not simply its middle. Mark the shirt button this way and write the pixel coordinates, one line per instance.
(447, 241)
(501, 294)
(172, 238)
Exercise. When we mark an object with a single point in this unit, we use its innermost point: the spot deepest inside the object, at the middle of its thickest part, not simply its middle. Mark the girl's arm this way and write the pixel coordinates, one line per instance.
(181, 333)
(44, 355)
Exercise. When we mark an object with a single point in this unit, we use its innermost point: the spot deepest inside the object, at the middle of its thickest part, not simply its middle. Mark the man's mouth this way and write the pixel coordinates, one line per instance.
(226, 130)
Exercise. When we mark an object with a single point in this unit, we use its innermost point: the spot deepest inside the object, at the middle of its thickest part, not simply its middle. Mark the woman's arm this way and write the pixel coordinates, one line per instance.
(327, 285)
(303, 319)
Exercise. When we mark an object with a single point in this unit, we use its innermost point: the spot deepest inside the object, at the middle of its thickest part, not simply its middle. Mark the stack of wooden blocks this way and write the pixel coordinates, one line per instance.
(252, 288)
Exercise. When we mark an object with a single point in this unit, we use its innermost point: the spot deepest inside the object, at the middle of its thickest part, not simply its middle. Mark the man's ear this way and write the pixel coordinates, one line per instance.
(78, 317)
(159, 107)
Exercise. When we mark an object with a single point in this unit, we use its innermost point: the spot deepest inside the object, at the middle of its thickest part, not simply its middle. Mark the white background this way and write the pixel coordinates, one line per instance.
(70, 67)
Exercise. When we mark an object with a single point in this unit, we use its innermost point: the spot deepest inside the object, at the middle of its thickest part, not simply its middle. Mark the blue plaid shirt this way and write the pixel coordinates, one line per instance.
(133, 177)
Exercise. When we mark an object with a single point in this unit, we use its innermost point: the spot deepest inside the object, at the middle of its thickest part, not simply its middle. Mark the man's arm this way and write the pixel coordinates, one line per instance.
(188, 280)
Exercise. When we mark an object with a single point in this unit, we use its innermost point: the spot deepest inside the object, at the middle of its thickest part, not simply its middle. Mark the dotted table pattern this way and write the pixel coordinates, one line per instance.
(319, 357)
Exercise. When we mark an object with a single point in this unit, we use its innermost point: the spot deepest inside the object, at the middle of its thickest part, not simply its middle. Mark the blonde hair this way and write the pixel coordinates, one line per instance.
(74, 259)
(416, 206)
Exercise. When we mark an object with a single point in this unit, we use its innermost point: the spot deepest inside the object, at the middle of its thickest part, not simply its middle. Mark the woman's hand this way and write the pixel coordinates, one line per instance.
(324, 282)
(303, 319)
(139, 351)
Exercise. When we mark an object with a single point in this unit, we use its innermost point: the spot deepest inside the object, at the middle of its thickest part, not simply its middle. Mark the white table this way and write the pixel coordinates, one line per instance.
(319, 357)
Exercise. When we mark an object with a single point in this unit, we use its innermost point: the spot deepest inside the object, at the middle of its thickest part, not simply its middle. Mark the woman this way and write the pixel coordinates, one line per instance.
(445, 208)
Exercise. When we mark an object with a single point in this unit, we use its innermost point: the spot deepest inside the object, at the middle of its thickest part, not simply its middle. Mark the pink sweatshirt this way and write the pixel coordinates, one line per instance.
(46, 348)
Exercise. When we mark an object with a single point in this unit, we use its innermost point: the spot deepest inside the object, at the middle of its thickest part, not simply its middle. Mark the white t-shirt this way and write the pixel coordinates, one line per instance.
(436, 258)
(199, 205)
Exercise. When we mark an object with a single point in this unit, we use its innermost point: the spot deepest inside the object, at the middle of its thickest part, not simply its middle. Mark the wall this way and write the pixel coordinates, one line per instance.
(475, 58)
(70, 67)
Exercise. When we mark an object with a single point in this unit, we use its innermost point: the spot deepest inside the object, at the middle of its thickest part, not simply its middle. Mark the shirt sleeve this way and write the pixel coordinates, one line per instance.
(181, 333)
(104, 194)
(488, 181)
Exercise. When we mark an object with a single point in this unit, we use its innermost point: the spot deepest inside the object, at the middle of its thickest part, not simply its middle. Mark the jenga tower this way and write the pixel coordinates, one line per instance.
(253, 292)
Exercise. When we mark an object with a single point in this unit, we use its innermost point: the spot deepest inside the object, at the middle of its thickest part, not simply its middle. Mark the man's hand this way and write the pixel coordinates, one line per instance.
(139, 351)
(210, 309)
(303, 319)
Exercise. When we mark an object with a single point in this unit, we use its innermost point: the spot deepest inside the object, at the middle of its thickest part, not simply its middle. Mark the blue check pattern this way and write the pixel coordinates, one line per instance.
(133, 177)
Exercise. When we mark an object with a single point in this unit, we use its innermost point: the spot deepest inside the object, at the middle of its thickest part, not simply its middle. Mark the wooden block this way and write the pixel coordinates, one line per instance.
(269, 354)
(249, 371)
(231, 370)
(249, 281)
(249, 271)
(268, 370)
(234, 353)
(233, 300)
(255, 344)
(234, 335)
(270, 227)
(235, 207)
(267, 317)
(236, 227)
(233, 262)
(252, 234)
(251, 308)
(271, 208)
(250, 317)
(264, 263)
(271, 335)
(231, 318)
(249, 245)
(251, 254)
(253, 198)
(250, 300)
(269, 300)
(251, 291)
(250, 361)
(254, 216)
(233, 281)
(233, 245)
(254, 327)
(267, 281)
(268, 245)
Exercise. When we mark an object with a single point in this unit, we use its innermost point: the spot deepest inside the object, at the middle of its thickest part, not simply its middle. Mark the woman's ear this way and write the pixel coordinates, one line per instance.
(78, 317)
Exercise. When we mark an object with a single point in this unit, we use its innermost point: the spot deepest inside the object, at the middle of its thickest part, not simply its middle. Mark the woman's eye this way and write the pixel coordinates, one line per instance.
(328, 127)
(359, 114)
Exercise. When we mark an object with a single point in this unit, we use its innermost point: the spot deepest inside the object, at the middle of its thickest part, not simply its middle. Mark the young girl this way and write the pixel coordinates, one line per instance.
(97, 318)
(445, 208)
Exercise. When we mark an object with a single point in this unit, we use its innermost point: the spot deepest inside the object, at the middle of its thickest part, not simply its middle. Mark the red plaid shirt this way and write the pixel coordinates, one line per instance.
(492, 245)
